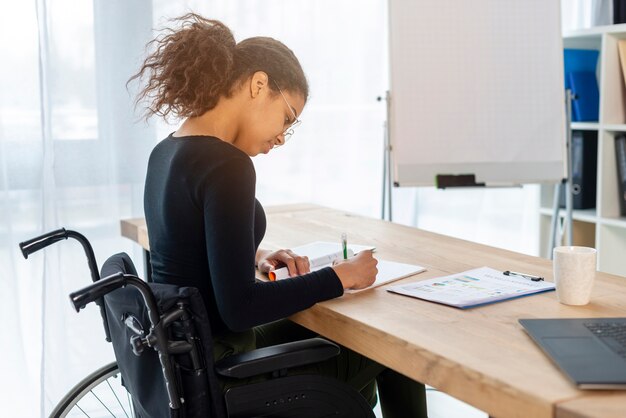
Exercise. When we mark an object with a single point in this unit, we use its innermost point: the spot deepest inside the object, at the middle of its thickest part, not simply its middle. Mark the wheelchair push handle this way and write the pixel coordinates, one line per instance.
(95, 291)
(35, 244)
(49, 238)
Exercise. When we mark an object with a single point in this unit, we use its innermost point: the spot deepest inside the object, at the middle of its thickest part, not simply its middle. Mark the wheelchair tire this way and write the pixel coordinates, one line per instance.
(99, 394)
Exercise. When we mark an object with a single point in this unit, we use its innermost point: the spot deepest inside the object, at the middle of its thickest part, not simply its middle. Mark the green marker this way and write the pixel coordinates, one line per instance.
(344, 245)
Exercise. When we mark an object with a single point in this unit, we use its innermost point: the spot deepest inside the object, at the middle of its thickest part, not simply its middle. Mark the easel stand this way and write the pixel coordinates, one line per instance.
(567, 183)
(386, 195)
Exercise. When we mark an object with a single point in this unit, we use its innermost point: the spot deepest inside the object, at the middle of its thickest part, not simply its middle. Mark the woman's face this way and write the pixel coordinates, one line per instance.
(267, 117)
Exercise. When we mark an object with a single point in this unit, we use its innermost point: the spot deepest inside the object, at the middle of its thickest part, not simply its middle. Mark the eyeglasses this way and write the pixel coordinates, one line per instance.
(289, 131)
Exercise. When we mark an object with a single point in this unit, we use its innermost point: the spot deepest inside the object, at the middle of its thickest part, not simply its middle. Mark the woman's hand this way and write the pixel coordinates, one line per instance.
(272, 260)
(357, 272)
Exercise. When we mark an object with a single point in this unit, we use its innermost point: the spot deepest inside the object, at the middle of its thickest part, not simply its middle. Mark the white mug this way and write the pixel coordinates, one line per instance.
(574, 273)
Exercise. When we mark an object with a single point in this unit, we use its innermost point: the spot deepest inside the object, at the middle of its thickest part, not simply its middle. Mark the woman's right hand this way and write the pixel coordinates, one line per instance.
(357, 272)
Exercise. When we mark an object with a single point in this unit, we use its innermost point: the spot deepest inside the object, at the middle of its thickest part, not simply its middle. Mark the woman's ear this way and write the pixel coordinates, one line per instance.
(258, 83)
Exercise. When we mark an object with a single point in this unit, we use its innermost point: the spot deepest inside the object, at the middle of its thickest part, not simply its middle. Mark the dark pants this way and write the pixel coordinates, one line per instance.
(399, 395)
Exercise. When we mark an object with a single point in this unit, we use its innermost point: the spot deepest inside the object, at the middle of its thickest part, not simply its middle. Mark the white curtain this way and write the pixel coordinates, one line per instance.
(73, 154)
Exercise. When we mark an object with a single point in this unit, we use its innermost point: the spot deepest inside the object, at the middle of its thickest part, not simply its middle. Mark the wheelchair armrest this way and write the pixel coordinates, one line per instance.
(276, 357)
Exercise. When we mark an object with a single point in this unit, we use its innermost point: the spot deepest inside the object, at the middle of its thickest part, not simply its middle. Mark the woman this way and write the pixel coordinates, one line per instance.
(238, 100)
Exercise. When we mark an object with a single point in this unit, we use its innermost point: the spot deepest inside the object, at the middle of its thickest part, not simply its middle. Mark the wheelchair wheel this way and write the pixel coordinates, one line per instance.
(100, 394)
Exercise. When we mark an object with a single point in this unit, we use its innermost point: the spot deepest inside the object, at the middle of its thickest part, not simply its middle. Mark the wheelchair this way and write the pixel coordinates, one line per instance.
(164, 357)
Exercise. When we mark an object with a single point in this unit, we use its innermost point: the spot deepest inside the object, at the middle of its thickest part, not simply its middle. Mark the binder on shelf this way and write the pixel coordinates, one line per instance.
(579, 60)
(621, 46)
(620, 154)
(586, 103)
(580, 70)
(619, 12)
(584, 170)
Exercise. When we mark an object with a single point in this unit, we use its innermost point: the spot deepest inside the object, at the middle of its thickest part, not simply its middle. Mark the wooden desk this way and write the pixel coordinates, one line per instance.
(481, 356)
(594, 405)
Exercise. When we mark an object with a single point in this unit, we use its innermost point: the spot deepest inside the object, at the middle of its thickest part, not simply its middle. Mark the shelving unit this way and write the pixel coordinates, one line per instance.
(602, 227)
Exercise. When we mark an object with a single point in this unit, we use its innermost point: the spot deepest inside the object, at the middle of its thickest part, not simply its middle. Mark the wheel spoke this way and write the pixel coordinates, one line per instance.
(81, 410)
(130, 404)
(99, 400)
(116, 398)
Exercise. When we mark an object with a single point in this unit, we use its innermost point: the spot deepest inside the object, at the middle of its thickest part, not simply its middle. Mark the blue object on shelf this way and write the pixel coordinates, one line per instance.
(586, 103)
(579, 60)
(580, 77)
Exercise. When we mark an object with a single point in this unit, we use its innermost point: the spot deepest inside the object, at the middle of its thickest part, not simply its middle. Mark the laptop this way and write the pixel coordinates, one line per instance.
(591, 351)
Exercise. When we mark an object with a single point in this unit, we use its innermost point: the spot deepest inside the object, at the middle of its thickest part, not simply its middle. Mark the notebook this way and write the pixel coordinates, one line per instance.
(590, 351)
(322, 254)
(473, 288)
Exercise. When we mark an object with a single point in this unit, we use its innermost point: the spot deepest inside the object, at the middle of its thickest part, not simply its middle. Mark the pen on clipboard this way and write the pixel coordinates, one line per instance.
(528, 276)
(344, 245)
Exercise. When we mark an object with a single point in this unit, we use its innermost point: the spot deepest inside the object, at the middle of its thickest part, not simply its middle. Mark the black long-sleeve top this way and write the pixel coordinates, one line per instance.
(205, 225)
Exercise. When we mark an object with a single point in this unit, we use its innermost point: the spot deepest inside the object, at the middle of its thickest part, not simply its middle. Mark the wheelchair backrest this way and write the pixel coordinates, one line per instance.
(142, 374)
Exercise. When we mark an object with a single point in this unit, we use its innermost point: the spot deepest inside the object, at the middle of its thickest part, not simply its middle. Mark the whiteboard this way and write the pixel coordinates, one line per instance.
(476, 88)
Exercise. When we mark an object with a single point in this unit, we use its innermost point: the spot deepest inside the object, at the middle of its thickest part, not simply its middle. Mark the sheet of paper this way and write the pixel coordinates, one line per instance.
(390, 271)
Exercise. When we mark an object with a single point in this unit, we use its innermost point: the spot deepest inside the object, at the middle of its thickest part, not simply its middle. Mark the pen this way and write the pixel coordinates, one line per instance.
(528, 276)
(315, 264)
(344, 245)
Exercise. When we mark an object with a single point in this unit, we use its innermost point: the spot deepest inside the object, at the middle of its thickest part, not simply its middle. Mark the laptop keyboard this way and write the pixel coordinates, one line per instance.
(613, 334)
